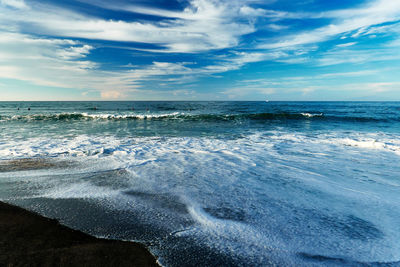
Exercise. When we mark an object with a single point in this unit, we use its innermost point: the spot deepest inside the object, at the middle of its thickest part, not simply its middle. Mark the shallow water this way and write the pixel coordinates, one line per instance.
(214, 183)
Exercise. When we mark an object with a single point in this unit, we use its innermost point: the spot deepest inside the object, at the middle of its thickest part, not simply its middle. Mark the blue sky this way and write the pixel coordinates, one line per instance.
(200, 50)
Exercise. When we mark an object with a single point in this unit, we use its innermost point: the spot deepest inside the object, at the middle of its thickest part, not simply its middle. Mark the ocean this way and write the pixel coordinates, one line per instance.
(214, 183)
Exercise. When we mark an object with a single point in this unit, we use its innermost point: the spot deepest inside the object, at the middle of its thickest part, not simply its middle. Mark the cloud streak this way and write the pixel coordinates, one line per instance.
(203, 25)
(345, 21)
(62, 63)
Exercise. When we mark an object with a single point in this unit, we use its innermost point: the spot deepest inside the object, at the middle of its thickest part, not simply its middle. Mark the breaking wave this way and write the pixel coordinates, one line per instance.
(190, 117)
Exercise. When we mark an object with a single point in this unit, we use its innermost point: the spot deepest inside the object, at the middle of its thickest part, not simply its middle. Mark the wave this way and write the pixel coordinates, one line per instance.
(84, 116)
(371, 143)
(193, 117)
(127, 147)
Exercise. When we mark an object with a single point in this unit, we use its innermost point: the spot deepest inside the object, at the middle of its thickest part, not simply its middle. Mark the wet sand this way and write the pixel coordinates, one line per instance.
(28, 239)
(29, 164)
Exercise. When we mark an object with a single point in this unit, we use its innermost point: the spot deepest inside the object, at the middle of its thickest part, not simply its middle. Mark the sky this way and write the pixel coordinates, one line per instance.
(305, 50)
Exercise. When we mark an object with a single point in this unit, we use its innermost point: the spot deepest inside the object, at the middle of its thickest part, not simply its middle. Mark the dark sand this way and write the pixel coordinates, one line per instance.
(28, 239)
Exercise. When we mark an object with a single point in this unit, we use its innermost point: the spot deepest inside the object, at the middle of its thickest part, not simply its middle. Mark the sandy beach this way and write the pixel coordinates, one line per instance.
(28, 239)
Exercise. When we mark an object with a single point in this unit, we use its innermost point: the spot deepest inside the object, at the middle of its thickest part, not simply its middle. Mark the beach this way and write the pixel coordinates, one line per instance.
(217, 133)
(205, 183)
(28, 239)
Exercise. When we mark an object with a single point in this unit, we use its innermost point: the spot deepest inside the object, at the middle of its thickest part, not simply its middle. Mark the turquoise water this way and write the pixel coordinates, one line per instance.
(214, 183)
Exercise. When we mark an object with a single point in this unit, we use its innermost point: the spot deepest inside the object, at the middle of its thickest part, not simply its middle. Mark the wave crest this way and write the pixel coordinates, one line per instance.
(190, 117)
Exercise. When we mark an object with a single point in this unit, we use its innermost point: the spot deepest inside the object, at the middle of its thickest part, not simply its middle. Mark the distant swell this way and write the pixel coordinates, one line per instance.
(189, 117)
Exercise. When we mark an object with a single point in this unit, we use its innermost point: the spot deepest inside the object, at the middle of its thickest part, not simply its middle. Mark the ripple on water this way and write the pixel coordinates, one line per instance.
(165, 201)
(353, 227)
(226, 213)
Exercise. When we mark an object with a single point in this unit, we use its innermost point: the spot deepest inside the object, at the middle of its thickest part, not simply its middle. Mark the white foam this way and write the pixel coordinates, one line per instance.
(95, 116)
(243, 240)
(370, 144)
(310, 115)
(78, 190)
(382, 142)
(130, 115)
(281, 180)
(240, 149)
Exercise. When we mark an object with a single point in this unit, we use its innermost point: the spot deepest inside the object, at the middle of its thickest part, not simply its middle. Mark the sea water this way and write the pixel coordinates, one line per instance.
(214, 183)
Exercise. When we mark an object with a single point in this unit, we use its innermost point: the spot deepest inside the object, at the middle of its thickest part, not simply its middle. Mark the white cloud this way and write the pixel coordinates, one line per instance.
(75, 52)
(238, 60)
(380, 87)
(277, 27)
(59, 63)
(349, 74)
(307, 85)
(395, 43)
(319, 77)
(346, 44)
(348, 20)
(203, 25)
(111, 94)
(249, 11)
(51, 62)
(20, 4)
(359, 56)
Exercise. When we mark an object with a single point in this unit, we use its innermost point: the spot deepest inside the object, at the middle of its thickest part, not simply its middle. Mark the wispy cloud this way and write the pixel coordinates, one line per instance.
(357, 56)
(62, 63)
(20, 4)
(346, 44)
(42, 61)
(203, 25)
(347, 20)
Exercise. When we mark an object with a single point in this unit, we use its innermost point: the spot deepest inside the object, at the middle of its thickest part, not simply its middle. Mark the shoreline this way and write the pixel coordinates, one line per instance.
(29, 239)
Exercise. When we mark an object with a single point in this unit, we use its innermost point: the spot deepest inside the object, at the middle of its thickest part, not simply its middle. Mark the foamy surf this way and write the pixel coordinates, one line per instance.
(309, 115)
